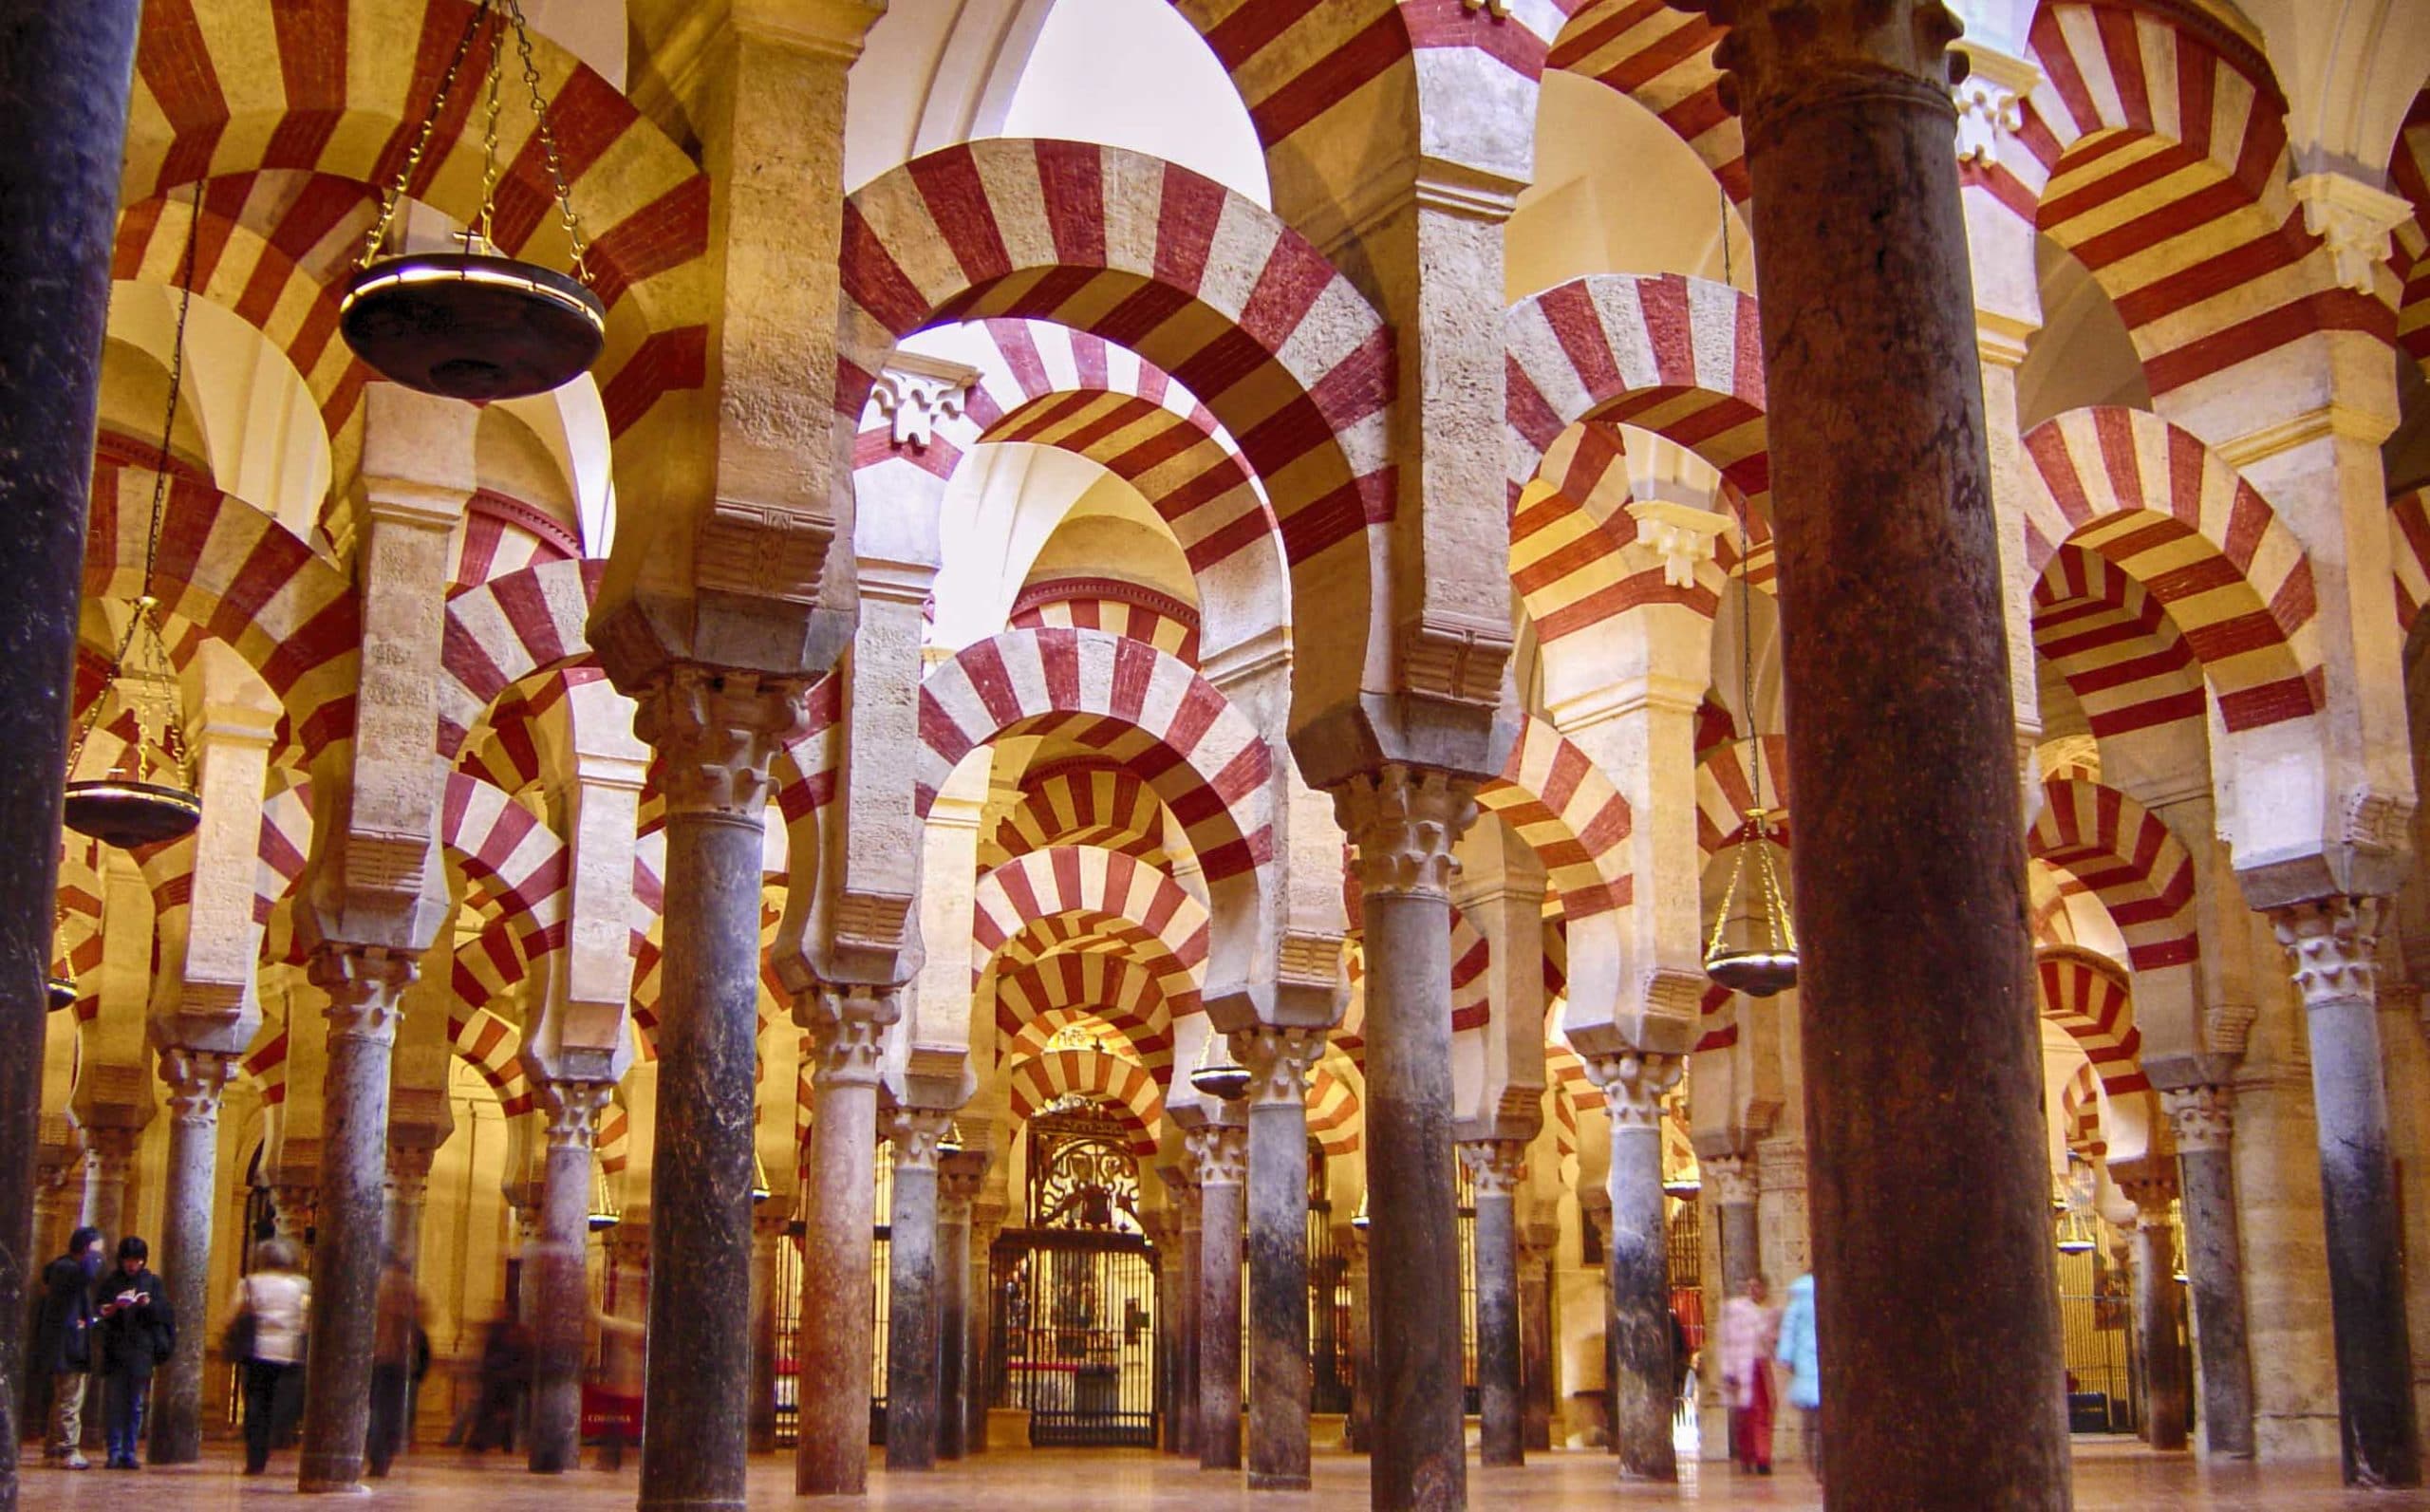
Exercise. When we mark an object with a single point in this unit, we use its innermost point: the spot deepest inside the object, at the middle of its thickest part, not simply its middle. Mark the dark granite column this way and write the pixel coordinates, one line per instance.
(195, 1081)
(768, 1226)
(1495, 1168)
(1190, 1199)
(913, 1336)
(556, 1279)
(1731, 1182)
(1932, 1240)
(986, 1220)
(958, 1173)
(1638, 1261)
(366, 987)
(2165, 1388)
(1163, 1228)
(1277, 1061)
(109, 1155)
(2204, 1120)
(839, 1299)
(1402, 823)
(1537, 1406)
(713, 733)
(64, 82)
(1359, 1434)
(1223, 1170)
(2333, 944)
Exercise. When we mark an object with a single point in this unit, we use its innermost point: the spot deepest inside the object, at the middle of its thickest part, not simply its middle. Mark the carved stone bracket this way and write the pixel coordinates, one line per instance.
(197, 1080)
(1991, 101)
(1731, 1180)
(366, 986)
(573, 1108)
(1455, 658)
(1277, 1061)
(848, 1023)
(1402, 823)
(1221, 1154)
(2355, 219)
(1496, 1166)
(1633, 1084)
(109, 1150)
(915, 400)
(716, 731)
(2203, 1118)
(2333, 945)
(1681, 535)
(959, 1173)
(915, 1134)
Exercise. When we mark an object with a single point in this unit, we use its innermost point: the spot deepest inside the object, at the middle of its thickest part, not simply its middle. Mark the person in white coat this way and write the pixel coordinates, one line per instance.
(1748, 1331)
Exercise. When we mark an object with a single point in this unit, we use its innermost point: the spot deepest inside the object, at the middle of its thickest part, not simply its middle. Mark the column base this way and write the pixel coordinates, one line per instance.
(1260, 1481)
(319, 1485)
(690, 1504)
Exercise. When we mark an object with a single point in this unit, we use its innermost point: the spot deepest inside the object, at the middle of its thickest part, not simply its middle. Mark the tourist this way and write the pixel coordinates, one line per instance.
(1748, 1331)
(138, 1332)
(394, 1337)
(506, 1372)
(63, 1343)
(266, 1336)
(1798, 1352)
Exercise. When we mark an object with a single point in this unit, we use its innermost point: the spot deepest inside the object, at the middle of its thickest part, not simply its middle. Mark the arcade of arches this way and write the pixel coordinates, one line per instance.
(1112, 542)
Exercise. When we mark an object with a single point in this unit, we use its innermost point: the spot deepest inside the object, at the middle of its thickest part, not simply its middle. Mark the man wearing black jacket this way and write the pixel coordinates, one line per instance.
(63, 1342)
(138, 1332)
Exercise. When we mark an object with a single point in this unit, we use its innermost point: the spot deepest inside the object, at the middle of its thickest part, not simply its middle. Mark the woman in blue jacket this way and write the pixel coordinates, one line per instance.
(1798, 1352)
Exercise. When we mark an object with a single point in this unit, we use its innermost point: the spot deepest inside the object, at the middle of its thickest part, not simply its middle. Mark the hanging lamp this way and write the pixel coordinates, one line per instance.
(1219, 1075)
(59, 992)
(475, 325)
(1359, 1218)
(1759, 969)
(760, 1190)
(2076, 1233)
(606, 1212)
(148, 795)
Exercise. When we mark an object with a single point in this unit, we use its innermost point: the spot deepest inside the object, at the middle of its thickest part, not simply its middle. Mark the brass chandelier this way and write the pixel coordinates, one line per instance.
(1758, 966)
(1220, 1076)
(475, 325)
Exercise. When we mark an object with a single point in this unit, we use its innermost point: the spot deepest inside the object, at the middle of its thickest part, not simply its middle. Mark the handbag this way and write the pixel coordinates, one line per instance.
(236, 1344)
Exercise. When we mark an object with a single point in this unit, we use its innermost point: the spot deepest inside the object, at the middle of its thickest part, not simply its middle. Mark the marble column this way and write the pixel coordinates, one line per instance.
(1359, 1434)
(958, 1173)
(1190, 1200)
(109, 1155)
(1731, 1181)
(366, 986)
(1221, 1154)
(714, 732)
(196, 1079)
(1916, 965)
(1277, 1061)
(555, 1275)
(1163, 1228)
(291, 1208)
(1638, 1263)
(2333, 944)
(912, 1335)
(986, 1220)
(1537, 1404)
(2203, 1118)
(1402, 823)
(847, 1027)
(1496, 1166)
(56, 1201)
(2165, 1390)
(63, 83)
(407, 1192)
(768, 1226)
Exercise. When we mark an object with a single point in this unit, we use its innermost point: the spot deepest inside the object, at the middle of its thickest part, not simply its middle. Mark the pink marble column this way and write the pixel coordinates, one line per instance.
(1496, 1166)
(555, 1275)
(1637, 1262)
(1277, 1061)
(1222, 1155)
(1180, 1427)
(767, 1238)
(846, 1029)
(197, 1080)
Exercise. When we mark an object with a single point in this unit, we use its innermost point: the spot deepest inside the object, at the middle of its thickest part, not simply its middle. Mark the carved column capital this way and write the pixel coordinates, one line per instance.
(1633, 1084)
(714, 730)
(1731, 1180)
(2332, 947)
(1402, 823)
(366, 986)
(109, 1150)
(2202, 1117)
(915, 1133)
(2151, 1188)
(1181, 1183)
(848, 1023)
(1786, 57)
(573, 1110)
(1222, 1154)
(291, 1207)
(197, 1080)
(959, 1173)
(1496, 1166)
(409, 1178)
(1277, 1061)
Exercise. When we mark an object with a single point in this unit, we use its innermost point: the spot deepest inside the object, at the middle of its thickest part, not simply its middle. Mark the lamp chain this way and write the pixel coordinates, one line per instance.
(548, 143)
(396, 194)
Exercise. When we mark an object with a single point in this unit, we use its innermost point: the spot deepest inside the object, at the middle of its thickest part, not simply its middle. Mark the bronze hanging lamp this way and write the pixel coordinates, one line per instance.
(1220, 1076)
(475, 325)
(606, 1212)
(59, 988)
(1758, 968)
(148, 795)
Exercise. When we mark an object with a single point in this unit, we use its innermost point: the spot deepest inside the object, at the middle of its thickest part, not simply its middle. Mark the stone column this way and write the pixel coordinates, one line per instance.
(913, 1336)
(1277, 1061)
(1537, 1404)
(1732, 1182)
(291, 1208)
(714, 732)
(986, 1220)
(558, 1284)
(2333, 944)
(1495, 1168)
(1359, 1434)
(1403, 823)
(958, 1173)
(408, 1190)
(63, 83)
(196, 1079)
(847, 1025)
(1902, 735)
(2165, 1390)
(1190, 1199)
(2204, 1120)
(1222, 1169)
(365, 986)
(767, 1235)
(109, 1154)
(1637, 1263)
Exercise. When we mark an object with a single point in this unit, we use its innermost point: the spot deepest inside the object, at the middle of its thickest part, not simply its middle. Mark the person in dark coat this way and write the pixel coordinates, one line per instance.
(138, 1332)
(63, 1342)
(506, 1372)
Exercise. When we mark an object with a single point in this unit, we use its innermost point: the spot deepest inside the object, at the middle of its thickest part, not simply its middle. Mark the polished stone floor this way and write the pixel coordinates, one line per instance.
(2109, 1477)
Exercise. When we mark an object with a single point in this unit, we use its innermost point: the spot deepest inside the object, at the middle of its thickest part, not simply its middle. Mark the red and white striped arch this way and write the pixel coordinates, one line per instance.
(2156, 153)
(1141, 708)
(514, 863)
(1333, 1106)
(1124, 1089)
(1100, 896)
(1569, 532)
(1113, 604)
(2103, 843)
(1556, 800)
(1240, 309)
(1726, 781)
(1660, 56)
(264, 1062)
(615, 1140)
(2409, 545)
(1078, 986)
(493, 1048)
(2080, 1115)
(507, 630)
(2117, 646)
(2087, 995)
(1075, 803)
(2409, 174)
(2231, 574)
(502, 536)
